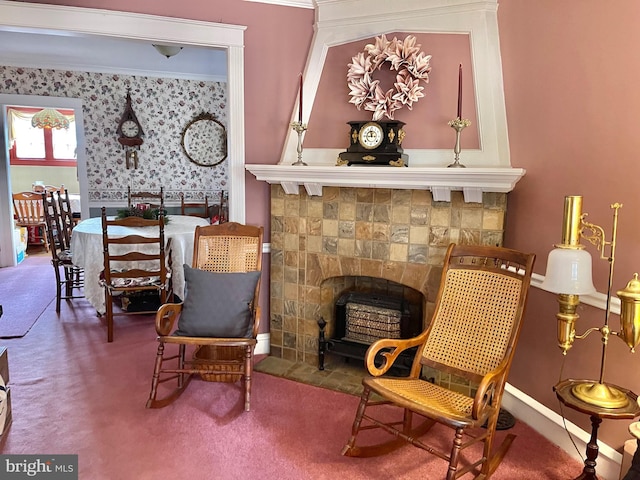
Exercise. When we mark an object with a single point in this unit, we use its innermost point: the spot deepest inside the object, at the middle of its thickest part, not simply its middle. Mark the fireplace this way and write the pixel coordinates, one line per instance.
(320, 245)
(363, 317)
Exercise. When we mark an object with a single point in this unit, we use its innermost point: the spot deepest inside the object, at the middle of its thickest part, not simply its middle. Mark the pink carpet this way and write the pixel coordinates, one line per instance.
(26, 290)
(74, 393)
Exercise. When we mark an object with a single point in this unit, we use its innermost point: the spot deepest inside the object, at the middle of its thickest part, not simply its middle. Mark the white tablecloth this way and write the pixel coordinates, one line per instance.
(74, 200)
(86, 245)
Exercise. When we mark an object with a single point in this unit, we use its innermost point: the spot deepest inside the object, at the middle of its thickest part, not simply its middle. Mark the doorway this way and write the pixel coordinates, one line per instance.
(20, 17)
(7, 245)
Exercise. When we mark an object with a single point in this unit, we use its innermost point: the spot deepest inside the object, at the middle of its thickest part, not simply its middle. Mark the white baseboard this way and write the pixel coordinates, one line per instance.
(264, 343)
(551, 426)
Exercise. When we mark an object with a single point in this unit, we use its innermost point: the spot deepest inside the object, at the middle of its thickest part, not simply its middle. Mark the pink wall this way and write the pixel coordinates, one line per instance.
(570, 78)
(426, 124)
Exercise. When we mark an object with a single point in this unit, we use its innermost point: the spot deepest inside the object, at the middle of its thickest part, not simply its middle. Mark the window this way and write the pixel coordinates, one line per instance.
(40, 146)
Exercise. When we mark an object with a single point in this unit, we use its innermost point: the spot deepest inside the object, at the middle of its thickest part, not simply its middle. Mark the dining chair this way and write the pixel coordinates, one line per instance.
(194, 209)
(68, 276)
(66, 210)
(471, 335)
(133, 264)
(28, 212)
(155, 200)
(62, 207)
(219, 318)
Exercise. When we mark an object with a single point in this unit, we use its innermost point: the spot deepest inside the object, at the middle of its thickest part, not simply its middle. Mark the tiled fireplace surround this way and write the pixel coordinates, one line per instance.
(322, 246)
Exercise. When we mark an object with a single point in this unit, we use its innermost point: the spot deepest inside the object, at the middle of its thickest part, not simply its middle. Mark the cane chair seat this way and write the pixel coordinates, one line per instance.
(472, 334)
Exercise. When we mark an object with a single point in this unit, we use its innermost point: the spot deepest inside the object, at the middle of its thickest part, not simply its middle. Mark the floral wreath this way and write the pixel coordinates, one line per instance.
(404, 57)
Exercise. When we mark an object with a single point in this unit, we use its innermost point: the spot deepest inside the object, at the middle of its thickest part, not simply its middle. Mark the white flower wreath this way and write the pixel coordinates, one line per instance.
(404, 57)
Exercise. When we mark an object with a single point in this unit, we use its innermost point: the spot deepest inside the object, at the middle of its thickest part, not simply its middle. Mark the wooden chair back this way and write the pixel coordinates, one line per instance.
(154, 199)
(133, 262)
(194, 209)
(28, 210)
(62, 205)
(227, 248)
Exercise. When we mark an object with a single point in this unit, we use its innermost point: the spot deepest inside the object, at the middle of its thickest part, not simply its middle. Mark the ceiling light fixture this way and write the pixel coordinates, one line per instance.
(167, 50)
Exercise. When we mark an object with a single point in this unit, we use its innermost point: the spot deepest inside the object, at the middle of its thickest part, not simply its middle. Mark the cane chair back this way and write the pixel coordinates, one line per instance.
(194, 209)
(133, 262)
(227, 248)
(154, 199)
(28, 210)
(472, 334)
(69, 277)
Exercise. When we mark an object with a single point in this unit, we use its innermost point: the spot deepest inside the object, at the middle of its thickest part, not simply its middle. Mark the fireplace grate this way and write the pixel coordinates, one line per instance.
(368, 323)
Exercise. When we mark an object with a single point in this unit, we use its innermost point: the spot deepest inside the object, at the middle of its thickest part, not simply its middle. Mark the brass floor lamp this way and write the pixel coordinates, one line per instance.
(569, 276)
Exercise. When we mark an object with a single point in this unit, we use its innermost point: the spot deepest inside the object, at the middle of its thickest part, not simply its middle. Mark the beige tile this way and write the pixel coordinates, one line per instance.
(398, 252)
(330, 228)
(493, 220)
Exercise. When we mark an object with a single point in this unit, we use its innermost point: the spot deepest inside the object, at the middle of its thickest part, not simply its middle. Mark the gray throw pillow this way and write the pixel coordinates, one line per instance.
(217, 304)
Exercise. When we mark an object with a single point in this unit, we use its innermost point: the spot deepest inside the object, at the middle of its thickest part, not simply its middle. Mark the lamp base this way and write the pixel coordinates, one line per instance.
(600, 394)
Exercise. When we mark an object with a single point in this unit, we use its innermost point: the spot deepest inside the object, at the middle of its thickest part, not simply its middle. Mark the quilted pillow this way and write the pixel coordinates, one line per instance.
(217, 304)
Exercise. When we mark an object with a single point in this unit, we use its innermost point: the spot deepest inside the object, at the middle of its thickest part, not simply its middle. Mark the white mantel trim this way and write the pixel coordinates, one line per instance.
(441, 181)
(344, 21)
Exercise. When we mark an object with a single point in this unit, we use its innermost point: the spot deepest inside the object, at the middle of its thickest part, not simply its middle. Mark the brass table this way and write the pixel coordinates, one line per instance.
(629, 411)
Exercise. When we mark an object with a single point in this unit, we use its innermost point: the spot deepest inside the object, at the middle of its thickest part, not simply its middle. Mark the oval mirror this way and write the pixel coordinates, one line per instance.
(204, 141)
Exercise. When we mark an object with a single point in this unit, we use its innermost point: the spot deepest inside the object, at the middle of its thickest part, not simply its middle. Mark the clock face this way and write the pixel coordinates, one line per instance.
(371, 135)
(130, 129)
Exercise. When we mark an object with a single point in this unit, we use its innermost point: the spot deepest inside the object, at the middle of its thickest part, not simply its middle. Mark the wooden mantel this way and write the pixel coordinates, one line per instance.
(441, 181)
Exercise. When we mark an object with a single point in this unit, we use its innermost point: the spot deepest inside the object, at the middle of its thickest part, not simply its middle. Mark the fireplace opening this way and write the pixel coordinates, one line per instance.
(361, 318)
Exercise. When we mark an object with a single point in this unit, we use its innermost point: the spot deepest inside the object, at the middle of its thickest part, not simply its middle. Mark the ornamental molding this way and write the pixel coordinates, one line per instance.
(441, 181)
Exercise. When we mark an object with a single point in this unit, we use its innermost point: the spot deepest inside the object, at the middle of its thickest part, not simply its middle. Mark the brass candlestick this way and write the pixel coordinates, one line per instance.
(458, 125)
(299, 128)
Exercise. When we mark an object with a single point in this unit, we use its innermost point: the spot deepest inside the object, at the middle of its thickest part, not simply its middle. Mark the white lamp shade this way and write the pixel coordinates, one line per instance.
(569, 272)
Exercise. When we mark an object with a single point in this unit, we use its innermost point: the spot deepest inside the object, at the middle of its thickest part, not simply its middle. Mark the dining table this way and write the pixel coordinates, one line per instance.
(87, 251)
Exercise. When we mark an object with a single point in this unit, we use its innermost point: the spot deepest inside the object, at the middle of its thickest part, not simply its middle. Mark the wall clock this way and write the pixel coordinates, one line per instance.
(129, 129)
(375, 143)
(130, 133)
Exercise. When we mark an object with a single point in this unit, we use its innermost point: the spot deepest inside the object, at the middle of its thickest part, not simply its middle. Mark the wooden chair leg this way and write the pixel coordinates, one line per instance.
(183, 379)
(455, 453)
(156, 375)
(349, 448)
(109, 315)
(248, 364)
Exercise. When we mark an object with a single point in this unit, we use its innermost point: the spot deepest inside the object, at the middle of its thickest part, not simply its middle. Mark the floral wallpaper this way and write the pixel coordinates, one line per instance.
(163, 107)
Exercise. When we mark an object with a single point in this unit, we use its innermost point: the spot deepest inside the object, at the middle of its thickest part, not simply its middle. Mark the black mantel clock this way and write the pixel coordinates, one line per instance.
(375, 143)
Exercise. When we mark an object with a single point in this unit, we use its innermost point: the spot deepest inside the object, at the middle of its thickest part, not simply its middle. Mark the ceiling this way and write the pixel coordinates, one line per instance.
(93, 53)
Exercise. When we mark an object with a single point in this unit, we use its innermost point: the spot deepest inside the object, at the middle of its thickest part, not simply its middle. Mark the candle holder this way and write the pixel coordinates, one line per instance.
(299, 128)
(458, 125)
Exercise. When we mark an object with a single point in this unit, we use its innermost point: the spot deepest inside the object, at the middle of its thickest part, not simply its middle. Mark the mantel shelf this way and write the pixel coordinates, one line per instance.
(441, 181)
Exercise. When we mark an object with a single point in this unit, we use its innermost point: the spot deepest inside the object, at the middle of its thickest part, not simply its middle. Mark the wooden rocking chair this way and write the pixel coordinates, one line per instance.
(227, 260)
(472, 334)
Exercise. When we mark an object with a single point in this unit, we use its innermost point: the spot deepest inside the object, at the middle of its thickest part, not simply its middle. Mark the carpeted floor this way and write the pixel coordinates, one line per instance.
(26, 290)
(74, 393)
